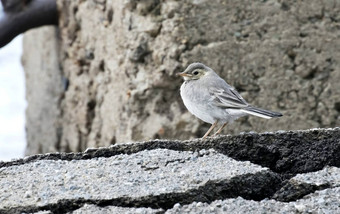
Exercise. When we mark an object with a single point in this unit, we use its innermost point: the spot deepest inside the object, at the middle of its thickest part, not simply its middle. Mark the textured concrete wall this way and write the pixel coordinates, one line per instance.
(121, 58)
(44, 90)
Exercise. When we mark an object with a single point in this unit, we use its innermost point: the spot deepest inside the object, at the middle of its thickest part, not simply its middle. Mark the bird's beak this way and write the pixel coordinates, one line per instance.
(183, 74)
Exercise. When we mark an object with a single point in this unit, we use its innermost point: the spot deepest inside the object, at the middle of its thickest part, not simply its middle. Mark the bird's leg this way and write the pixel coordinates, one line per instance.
(220, 129)
(211, 128)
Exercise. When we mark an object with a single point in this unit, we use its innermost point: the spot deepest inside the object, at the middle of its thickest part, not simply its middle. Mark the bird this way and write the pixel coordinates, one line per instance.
(207, 96)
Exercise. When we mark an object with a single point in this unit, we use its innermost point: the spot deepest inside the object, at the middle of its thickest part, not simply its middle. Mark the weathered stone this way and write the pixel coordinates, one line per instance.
(44, 212)
(44, 90)
(182, 176)
(288, 153)
(158, 178)
(303, 184)
(325, 201)
(90, 209)
(121, 58)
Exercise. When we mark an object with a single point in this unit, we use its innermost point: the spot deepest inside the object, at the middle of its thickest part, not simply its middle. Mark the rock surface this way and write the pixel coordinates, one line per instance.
(90, 209)
(303, 184)
(197, 176)
(44, 90)
(325, 201)
(121, 61)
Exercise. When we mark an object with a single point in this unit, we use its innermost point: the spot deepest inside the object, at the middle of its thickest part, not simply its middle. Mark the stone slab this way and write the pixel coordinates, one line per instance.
(156, 176)
(306, 183)
(90, 209)
(325, 201)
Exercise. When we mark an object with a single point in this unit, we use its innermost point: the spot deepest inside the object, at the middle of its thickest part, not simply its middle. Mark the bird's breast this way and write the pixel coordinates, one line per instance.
(196, 100)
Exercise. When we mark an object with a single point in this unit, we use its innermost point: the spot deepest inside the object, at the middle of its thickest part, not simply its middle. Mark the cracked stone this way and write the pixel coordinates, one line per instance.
(325, 201)
(211, 175)
(173, 175)
(90, 209)
(289, 152)
(329, 176)
(303, 184)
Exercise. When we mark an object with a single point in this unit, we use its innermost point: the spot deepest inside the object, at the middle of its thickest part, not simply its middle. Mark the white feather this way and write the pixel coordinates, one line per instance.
(255, 114)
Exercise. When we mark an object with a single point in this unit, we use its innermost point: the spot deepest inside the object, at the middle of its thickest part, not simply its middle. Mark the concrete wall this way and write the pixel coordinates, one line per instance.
(120, 59)
(44, 90)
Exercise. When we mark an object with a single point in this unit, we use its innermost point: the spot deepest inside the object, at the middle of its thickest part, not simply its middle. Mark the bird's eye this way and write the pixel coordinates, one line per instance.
(195, 72)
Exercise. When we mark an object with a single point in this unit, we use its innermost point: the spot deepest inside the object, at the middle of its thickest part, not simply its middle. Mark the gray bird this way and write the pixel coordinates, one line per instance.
(211, 99)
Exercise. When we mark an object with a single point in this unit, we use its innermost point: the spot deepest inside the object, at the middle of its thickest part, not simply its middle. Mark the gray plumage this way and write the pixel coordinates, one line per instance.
(211, 99)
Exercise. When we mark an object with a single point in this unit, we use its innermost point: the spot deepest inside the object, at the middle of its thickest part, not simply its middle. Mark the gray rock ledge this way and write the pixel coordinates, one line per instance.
(294, 171)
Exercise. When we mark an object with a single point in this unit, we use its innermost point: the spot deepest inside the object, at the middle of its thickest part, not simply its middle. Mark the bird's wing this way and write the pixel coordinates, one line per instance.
(227, 98)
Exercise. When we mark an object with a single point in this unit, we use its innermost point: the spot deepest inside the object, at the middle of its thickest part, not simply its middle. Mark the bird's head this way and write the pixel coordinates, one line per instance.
(196, 71)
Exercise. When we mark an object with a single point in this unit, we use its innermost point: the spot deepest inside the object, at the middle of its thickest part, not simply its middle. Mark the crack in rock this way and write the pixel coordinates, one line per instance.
(160, 174)
(287, 153)
(211, 191)
(304, 184)
(325, 201)
(68, 185)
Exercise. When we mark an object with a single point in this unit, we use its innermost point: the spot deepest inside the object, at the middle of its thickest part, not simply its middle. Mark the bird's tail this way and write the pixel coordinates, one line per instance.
(261, 112)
